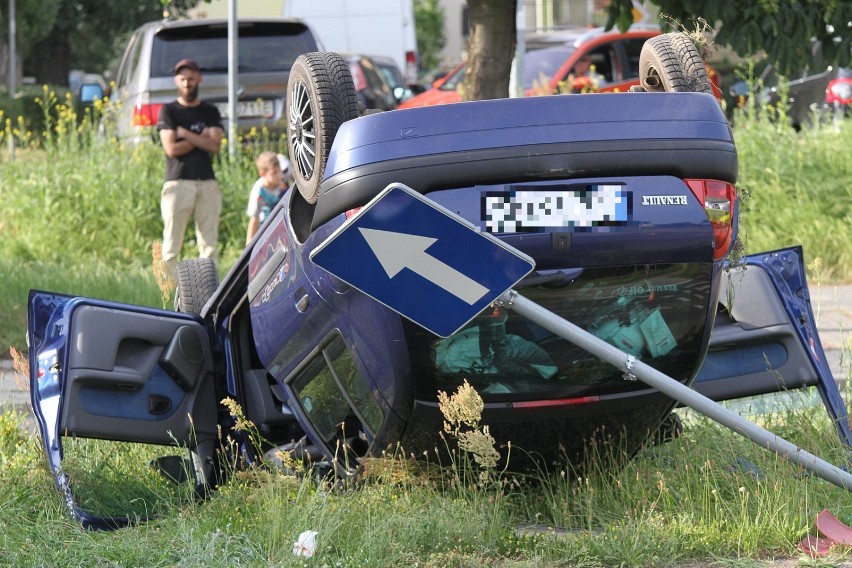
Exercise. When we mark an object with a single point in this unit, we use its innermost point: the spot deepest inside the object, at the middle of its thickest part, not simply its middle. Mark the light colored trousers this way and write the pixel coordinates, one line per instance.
(180, 200)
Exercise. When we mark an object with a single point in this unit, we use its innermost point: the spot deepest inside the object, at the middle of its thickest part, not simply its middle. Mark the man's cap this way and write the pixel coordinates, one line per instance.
(185, 62)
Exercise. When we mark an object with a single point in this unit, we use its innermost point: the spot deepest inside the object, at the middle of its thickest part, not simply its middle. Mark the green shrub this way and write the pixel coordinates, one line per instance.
(32, 110)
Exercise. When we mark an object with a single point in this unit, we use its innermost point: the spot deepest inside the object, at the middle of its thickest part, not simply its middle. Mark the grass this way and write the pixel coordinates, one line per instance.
(78, 215)
(797, 191)
(707, 496)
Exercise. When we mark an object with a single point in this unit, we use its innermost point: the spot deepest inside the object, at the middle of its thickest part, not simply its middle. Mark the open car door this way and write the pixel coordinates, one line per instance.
(112, 383)
(765, 338)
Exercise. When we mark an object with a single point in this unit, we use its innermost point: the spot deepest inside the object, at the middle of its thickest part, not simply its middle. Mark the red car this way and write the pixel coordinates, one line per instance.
(552, 61)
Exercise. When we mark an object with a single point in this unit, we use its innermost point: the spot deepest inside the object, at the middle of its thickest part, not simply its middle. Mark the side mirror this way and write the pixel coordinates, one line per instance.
(90, 92)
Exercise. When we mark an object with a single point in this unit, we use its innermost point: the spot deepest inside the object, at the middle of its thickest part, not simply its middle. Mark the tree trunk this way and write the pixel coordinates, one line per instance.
(491, 47)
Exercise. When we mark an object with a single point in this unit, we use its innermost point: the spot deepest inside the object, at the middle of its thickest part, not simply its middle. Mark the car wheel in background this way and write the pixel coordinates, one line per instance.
(320, 97)
(197, 280)
(671, 63)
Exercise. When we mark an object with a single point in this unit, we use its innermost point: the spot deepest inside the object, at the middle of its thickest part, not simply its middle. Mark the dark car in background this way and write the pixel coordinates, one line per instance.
(393, 76)
(628, 229)
(267, 49)
(803, 98)
(372, 88)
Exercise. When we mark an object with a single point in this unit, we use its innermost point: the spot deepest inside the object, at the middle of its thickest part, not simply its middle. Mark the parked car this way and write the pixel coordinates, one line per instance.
(551, 61)
(373, 90)
(838, 94)
(629, 229)
(393, 77)
(806, 99)
(267, 49)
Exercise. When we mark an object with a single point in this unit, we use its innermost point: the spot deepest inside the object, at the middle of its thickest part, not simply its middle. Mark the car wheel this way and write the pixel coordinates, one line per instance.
(197, 280)
(320, 97)
(671, 63)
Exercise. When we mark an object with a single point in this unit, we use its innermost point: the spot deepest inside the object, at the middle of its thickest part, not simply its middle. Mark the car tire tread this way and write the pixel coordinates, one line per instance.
(197, 280)
(671, 63)
(320, 97)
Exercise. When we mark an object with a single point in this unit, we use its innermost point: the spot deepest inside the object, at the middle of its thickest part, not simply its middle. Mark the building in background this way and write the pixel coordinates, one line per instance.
(246, 8)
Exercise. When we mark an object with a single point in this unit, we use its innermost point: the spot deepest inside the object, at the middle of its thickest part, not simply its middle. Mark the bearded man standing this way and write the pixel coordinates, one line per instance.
(191, 134)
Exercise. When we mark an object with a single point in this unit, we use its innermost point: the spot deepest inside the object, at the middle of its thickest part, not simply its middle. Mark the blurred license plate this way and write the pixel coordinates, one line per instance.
(538, 210)
(262, 109)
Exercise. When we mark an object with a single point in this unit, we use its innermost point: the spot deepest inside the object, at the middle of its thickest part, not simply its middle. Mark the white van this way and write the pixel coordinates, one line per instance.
(368, 27)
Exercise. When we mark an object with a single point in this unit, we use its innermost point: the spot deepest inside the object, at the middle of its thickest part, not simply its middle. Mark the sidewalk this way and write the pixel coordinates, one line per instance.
(832, 307)
(11, 393)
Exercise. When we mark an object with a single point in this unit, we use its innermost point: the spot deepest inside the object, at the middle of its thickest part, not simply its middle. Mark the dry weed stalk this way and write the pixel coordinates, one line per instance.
(22, 369)
(165, 282)
(462, 413)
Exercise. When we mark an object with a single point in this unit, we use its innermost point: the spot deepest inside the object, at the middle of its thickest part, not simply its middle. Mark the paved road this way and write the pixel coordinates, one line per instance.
(832, 307)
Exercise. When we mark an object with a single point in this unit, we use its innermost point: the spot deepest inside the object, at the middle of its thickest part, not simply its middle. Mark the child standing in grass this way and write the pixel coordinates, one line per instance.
(274, 180)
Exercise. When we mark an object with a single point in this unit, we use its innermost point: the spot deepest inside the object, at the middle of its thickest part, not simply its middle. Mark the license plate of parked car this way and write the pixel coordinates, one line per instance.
(248, 108)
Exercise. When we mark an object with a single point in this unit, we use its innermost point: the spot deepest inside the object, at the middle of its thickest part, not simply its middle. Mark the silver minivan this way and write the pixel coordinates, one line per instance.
(266, 49)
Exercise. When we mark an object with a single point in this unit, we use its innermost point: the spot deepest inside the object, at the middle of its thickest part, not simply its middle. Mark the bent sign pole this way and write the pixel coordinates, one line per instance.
(635, 369)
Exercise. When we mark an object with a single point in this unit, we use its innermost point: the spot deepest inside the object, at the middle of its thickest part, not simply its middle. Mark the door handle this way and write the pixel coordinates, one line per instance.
(158, 404)
(302, 300)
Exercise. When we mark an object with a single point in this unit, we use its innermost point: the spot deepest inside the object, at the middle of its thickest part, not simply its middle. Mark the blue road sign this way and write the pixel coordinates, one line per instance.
(421, 260)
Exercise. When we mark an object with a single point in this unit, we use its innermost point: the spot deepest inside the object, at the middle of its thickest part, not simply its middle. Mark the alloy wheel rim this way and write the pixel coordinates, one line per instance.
(303, 130)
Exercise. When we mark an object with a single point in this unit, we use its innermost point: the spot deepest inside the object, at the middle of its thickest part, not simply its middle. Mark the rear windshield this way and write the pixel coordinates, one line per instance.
(657, 313)
(262, 47)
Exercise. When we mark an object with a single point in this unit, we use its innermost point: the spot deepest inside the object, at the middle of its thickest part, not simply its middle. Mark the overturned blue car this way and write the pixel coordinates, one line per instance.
(626, 204)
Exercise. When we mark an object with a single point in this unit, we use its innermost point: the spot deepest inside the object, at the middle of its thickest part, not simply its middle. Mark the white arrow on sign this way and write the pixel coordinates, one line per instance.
(396, 251)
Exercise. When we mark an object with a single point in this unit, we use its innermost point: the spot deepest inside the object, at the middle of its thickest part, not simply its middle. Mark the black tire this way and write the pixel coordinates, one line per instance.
(197, 280)
(320, 97)
(671, 63)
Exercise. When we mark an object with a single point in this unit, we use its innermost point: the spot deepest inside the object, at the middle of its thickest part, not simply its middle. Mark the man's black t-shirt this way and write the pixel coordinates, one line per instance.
(197, 164)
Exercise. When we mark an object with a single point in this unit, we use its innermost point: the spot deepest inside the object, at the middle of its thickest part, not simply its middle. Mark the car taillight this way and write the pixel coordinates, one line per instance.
(145, 115)
(352, 212)
(358, 77)
(719, 199)
(839, 91)
(411, 67)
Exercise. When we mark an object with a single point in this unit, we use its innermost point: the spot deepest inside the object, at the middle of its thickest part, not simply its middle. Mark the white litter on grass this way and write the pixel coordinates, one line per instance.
(306, 545)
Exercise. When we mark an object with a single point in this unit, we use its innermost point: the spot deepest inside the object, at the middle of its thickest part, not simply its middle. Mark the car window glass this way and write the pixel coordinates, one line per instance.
(130, 62)
(601, 60)
(262, 48)
(374, 78)
(454, 80)
(333, 393)
(632, 49)
(501, 353)
(540, 65)
(392, 75)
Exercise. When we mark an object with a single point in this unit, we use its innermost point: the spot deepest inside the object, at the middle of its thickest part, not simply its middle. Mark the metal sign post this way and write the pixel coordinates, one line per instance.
(635, 369)
(13, 70)
(233, 76)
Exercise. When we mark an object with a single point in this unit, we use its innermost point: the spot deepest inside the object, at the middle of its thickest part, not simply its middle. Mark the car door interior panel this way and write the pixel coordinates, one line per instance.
(129, 366)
